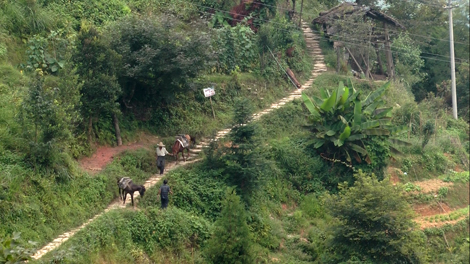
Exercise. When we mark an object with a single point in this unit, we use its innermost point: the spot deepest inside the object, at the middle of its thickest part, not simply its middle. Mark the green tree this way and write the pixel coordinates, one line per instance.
(243, 162)
(374, 225)
(463, 93)
(97, 66)
(232, 240)
(428, 131)
(408, 62)
(47, 116)
(160, 55)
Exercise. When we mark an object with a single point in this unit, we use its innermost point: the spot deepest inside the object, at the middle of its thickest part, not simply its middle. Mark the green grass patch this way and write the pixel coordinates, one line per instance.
(457, 196)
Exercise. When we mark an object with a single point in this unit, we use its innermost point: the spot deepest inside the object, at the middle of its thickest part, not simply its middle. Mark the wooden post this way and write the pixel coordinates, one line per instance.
(388, 52)
(213, 113)
(368, 61)
(379, 61)
(301, 7)
(367, 73)
(355, 60)
(409, 131)
(117, 130)
(337, 46)
(420, 123)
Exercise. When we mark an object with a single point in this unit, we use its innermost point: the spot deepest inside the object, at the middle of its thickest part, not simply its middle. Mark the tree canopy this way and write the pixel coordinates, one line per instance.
(374, 225)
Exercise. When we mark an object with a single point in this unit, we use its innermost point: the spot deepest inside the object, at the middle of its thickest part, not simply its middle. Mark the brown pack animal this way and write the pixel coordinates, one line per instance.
(182, 142)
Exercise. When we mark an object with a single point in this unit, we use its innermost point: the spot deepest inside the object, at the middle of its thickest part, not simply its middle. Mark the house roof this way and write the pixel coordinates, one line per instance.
(347, 9)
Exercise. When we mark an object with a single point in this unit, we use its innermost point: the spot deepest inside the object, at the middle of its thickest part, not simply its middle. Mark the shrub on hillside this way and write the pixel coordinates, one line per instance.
(148, 230)
(197, 191)
(96, 12)
(352, 130)
(231, 241)
(12, 250)
(374, 224)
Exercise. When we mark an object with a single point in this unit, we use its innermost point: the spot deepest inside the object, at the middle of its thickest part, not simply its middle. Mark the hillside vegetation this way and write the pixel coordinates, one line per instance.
(356, 171)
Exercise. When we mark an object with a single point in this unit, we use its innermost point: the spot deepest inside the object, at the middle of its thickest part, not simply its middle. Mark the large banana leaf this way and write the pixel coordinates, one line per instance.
(338, 142)
(330, 133)
(376, 132)
(370, 108)
(317, 100)
(352, 97)
(376, 94)
(324, 93)
(369, 124)
(348, 157)
(329, 103)
(397, 129)
(350, 84)
(319, 143)
(356, 137)
(383, 112)
(344, 96)
(309, 104)
(384, 122)
(343, 120)
(346, 133)
(396, 141)
(339, 93)
(357, 114)
(358, 148)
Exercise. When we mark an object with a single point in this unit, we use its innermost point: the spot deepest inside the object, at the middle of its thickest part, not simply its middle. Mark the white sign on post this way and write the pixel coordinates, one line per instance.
(208, 92)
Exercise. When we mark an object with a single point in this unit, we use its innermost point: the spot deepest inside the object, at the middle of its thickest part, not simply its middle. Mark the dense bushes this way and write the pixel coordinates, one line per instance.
(150, 231)
(236, 48)
(198, 191)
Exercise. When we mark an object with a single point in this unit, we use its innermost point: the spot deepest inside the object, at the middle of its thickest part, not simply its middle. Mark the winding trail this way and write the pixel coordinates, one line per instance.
(313, 48)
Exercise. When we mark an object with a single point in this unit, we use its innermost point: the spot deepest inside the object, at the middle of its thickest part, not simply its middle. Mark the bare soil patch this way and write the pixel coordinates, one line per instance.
(394, 172)
(431, 209)
(433, 185)
(105, 154)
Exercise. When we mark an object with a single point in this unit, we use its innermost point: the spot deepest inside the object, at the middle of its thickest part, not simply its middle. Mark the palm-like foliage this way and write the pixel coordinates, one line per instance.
(342, 120)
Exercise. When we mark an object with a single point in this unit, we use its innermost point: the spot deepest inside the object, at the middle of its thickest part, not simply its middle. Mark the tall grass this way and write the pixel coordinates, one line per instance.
(24, 17)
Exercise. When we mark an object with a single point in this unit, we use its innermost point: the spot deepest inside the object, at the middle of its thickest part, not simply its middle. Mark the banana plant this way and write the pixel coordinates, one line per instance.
(340, 121)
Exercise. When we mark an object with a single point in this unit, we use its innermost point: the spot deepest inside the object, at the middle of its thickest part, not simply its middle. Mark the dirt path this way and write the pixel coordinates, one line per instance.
(105, 155)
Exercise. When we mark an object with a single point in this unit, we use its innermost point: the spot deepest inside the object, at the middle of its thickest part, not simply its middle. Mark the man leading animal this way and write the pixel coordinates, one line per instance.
(161, 152)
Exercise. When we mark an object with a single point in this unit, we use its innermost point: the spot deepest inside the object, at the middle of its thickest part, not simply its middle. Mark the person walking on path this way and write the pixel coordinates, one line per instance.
(164, 192)
(161, 152)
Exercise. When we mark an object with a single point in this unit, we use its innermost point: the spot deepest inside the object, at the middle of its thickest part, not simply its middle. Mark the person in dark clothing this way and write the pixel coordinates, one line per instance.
(164, 192)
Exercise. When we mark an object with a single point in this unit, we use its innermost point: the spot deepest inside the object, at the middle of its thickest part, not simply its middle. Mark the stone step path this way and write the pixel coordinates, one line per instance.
(319, 67)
